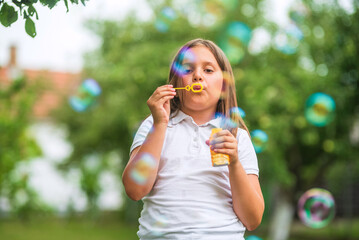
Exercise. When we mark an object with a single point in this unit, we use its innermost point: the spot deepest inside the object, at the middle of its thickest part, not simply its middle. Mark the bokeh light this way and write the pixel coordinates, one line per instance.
(287, 40)
(142, 168)
(85, 96)
(298, 12)
(259, 140)
(316, 208)
(164, 19)
(320, 109)
(235, 41)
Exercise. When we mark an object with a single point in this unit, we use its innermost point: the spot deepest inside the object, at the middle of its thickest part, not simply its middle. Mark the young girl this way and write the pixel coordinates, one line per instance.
(170, 168)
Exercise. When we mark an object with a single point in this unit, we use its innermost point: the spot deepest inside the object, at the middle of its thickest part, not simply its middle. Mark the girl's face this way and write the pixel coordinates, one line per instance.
(200, 66)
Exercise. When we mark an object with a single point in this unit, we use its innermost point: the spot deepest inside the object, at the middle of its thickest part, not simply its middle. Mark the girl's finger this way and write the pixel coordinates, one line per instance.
(156, 97)
(165, 99)
(223, 145)
(222, 139)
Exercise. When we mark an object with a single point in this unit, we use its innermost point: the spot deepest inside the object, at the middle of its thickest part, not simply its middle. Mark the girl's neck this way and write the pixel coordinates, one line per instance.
(200, 116)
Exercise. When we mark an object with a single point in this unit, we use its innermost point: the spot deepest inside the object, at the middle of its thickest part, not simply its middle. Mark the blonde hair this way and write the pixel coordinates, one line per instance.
(224, 104)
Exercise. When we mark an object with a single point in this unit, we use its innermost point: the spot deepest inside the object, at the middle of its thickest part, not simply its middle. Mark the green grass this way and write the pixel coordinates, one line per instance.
(336, 230)
(60, 229)
(108, 229)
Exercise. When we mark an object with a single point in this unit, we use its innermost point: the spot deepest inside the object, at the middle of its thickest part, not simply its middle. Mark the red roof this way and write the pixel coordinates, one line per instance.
(55, 87)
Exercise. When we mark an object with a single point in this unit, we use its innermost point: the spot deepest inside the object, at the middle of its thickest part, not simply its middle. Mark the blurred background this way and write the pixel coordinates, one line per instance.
(73, 90)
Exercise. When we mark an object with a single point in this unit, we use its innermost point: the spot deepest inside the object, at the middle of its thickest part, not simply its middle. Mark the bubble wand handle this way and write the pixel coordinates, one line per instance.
(188, 87)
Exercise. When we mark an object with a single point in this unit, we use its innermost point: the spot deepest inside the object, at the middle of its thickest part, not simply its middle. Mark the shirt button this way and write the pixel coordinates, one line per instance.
(196, 129)
(195, 139)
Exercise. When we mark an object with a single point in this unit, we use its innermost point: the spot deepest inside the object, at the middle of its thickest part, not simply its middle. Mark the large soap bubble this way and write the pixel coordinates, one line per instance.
(259, 140)
(319, 109)
(316, 208)
(85, 96)
(235, 41)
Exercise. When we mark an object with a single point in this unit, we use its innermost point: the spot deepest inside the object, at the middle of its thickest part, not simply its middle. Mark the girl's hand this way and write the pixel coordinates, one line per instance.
(225, 142)
(159, 103)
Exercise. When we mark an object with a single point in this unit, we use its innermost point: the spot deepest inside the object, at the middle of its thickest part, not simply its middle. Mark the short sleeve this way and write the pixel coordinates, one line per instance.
(246, 153)
(142, 132)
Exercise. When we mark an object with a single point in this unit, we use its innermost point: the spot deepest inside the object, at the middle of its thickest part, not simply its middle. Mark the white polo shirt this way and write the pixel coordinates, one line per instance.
(191, 199)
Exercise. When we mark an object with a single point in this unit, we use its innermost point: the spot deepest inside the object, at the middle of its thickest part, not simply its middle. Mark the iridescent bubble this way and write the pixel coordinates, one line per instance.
(236, 112)
(159, 225)
(287, 40)
(320, 109)
(316, 208)
(226, 122)
(259, 140)
(228, 82)
(236, 40)
(85, 96)
(252, 237)
(164, 19)
(186, 55)
(142, 168)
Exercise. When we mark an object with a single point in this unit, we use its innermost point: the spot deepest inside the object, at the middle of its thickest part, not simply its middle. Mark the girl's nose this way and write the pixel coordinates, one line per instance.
(197, 76)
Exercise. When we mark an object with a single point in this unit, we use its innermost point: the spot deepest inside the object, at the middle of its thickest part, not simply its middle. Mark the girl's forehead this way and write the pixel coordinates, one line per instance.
(199, 54)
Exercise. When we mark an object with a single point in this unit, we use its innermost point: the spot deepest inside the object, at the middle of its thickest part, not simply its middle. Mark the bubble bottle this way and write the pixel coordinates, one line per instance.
(218, 159)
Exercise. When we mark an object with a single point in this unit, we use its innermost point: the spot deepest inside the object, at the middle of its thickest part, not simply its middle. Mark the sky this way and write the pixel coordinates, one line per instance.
(59, 45)
(62, 38)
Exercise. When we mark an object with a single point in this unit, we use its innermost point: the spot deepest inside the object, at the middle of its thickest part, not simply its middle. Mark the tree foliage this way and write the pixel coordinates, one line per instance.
(10, 10)
(17, 146)
(272, 88)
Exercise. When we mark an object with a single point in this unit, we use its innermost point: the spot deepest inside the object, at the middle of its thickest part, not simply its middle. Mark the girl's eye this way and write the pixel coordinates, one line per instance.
(208, 70)
(185, 71)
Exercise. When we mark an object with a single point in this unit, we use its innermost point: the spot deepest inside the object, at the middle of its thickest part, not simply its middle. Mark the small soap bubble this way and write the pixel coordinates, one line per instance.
(142, 168)
(236, 40)
(160, 223)
(316, 208)
(164, 19)
(252, 237)
(237, 112)
(226, 122)
(319, 109)
(85, 96)
(259, 140)
(287, 40)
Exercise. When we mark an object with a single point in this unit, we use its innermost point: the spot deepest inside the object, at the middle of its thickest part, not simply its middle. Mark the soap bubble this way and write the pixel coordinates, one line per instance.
(235, 41)
(236, 112)
(252, 237)
(187, 55)
(226, 122)
(287, 40)
(164, 19)
(259, 140)
(319, 109)
(85, 96)
(142, 168)
(316, 208)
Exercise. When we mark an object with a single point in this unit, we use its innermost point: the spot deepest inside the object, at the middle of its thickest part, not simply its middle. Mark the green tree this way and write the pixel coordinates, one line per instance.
(10, 10)
(272, 87)
(16, 145)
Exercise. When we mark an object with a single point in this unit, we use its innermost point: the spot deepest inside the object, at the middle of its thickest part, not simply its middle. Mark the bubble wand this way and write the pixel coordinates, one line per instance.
(188, 87)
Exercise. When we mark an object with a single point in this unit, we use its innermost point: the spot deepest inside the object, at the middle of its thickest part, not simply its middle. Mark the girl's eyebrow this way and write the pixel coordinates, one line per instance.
(203, 63)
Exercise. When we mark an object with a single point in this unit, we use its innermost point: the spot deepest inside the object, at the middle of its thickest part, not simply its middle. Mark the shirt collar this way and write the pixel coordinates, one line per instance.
(178, 116)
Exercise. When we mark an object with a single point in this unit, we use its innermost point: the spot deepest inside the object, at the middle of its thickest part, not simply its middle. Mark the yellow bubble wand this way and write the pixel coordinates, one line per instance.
(190, 88)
